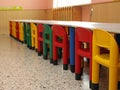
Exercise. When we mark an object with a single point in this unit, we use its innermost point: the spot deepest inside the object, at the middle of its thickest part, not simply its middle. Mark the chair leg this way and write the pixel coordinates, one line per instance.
(55, 55)
(32, 43)
(77, 68)
(60, 53)
(44, 51)
(39, 48)
(39, 53)
(118, 84)
(65, 66)
(29, 42)
(95, 75)
(113, 78)
(65, 59)
(118, 78)
(36, 46)
(51, 53)
(90, 71)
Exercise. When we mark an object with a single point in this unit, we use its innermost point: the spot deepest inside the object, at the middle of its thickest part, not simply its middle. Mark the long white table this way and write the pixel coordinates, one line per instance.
(110, 27)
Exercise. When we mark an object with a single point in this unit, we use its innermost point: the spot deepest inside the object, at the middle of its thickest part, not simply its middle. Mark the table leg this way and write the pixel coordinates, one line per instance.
(72, 49)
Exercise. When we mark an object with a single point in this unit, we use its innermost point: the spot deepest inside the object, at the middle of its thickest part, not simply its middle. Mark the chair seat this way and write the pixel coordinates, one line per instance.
(103, 59)
(83, 53)
(58, 44)
(40, 39)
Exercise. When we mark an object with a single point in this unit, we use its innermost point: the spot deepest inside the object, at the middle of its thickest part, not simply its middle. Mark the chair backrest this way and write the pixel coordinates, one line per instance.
(59, 30)
(102, 38)
(40, 28)
(25, 32)
(28, 34)
(14, 29)
(47, 34)
(84, 34)
(17, 30)
(21, 27)
(28, 29)
(47, 29)
(33, 29)
(21, 31)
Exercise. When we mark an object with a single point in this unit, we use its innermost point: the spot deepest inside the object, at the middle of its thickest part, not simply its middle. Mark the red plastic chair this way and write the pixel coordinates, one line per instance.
(60, 40)
(40, 38)
(82, 35)
(17, 30)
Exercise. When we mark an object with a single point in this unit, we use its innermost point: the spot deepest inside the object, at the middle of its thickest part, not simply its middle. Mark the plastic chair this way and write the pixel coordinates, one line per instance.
(117, 37)
(103, 39)
(10, 29)
(40, 38)
(34, 36)
(21, 32)
(25, 34)
(17, 30)
(60, 32)
(14, 29)
(28, 36)
(82, 36)
(47, 35)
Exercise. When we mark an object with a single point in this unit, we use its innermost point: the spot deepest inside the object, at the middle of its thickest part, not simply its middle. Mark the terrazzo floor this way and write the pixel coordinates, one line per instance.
(22, 69)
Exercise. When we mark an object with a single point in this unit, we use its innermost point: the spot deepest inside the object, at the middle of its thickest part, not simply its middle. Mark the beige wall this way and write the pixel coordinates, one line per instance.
(100, 1)
(5, 16)
(86, 13)
(106, 12)
(27, 4)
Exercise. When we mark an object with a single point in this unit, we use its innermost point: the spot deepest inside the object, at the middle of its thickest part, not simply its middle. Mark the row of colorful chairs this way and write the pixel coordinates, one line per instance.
(98, 46)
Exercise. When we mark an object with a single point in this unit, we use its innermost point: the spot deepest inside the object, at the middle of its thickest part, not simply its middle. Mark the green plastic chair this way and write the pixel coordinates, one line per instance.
(28, 36)
(25, 36)
(47, 41)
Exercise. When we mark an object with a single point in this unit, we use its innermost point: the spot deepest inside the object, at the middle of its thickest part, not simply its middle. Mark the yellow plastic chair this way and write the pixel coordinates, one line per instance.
(21, 32)
(103, 39)
(14, 29)
(34, 36)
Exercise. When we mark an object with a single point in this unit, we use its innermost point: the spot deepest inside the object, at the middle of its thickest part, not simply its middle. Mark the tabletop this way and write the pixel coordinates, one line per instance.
(110, 27)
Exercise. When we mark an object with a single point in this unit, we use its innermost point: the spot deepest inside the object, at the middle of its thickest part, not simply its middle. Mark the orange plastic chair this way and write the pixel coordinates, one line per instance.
(103, 39)
(82, 36)
(40, 29)
(21, 32)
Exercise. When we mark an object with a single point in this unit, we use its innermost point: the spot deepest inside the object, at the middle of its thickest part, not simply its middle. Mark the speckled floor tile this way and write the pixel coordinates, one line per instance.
(22, 69)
